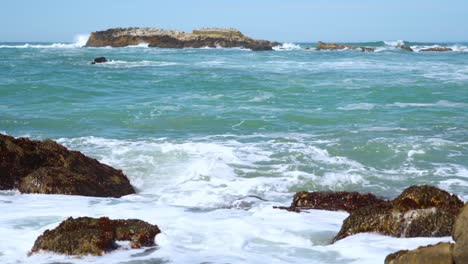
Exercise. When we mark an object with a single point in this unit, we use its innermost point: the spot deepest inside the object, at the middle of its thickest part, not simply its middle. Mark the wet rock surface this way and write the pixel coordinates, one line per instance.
(419, 211)
(226, 38)
(333, 201)
(99, 60)
(49, 168)
(95, 236)
(434, 254)
(460, 235)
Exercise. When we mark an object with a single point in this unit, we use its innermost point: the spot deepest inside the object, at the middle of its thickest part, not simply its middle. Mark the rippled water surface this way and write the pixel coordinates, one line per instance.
(199, 131)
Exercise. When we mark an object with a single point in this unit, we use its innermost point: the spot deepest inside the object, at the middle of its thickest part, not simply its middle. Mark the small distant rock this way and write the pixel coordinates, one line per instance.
(439, 49)
(333, 46)
(333, 201)
(99, 60)
(405, 47)
(434, 254)
(95, 236)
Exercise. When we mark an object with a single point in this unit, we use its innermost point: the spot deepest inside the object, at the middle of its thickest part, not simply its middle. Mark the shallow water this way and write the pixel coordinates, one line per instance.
(199, 131)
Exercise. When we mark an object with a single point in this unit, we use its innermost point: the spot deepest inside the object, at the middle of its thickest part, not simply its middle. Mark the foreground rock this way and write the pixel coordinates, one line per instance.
(99, 60)
(226, 38)
(49, 168)
(420, 211)
(439, 49)
(434, 254)
(460, 235)
(333, 46)
(333, 201)
(95, 236)
(441, 253)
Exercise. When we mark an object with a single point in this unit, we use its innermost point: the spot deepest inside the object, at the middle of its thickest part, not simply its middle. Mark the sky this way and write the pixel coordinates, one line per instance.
(279, 20)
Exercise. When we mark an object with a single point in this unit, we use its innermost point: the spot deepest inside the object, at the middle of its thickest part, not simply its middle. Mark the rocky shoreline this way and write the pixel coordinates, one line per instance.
(49, 168)
(226, 38)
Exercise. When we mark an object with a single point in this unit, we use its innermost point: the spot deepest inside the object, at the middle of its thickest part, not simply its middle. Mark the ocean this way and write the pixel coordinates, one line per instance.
(201, 132)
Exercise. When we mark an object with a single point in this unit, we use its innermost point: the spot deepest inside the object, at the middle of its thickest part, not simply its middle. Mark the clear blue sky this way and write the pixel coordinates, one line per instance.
(282, 20)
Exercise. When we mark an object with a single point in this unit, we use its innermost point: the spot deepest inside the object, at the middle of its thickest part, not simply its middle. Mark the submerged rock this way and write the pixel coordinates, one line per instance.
(434, 254)
(436, 49)
(226, 38)
(99, 60)
(419, 211)
(405, 47)
(48, 167)
(333, 201)
(333, 46)
(95, 236)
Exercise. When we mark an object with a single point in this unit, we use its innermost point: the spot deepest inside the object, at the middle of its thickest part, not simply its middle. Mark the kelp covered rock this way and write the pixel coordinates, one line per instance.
(48, 167)
(333, 201)
(95, 236)
(434, 254)
(420, 211)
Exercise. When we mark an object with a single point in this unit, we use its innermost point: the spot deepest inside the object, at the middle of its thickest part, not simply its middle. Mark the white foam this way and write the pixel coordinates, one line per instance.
(132, 64)
(262, 97)
(358, 106)
(440, 103)
(394, 43)
(287, 47)
(79, 41)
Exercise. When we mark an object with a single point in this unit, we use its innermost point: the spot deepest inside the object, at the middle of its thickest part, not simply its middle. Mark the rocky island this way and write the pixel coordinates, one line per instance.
(160, 38)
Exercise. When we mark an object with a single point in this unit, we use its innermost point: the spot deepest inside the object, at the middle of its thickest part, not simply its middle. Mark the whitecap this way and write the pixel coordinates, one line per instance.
(440, 103)
(79, 41)
(394, 43)
(132, 64)
(287, 47)
(358, 106)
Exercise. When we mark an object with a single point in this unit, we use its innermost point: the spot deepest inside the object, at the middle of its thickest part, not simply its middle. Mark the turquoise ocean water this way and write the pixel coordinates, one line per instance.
(198, 130)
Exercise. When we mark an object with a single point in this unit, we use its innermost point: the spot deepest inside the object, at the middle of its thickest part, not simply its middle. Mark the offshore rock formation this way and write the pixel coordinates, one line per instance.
(95, 236)
(419, 211)
(49, 168)
(436, 49)
(333, 201)
(441, 253)
(333, 46)
(226, 38)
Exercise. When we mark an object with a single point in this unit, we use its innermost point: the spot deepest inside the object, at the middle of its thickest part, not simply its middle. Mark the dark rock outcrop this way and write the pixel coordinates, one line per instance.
(333, 46)
(99, 60)
(405, 47)
(441, 253)
(95, 236)
(227, 38)
(419, 211)
(436, 49)
(49, 168)
(434, 254)
(333, 201)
